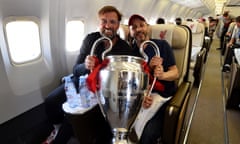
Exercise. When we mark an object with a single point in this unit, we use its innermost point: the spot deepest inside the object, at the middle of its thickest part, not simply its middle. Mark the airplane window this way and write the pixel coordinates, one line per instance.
(23, 40)
(74, 35)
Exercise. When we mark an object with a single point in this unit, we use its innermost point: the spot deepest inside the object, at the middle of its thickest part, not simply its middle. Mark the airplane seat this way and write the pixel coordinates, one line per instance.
(123, 32)
(227, 50)
(199, 51)
(179, 43)
(227, 38)
(179, 39)
(233, 99)
(207, 40)
(207, 45)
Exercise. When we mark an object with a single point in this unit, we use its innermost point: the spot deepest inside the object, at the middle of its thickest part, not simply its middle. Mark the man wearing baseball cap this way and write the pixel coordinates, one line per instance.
(148, 125)
(135, 16)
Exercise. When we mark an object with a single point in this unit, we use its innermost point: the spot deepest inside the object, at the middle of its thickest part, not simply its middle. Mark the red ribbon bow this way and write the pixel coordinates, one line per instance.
(158, 85)
(93, 80)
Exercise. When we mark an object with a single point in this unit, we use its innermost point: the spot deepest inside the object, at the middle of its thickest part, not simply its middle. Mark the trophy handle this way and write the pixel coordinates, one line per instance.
(97, 41)
(103, 55)
(157, 53)
(155, 47)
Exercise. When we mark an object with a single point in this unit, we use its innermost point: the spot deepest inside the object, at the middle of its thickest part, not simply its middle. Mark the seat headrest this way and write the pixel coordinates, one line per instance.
(169, 32)
(198, 33)
(123, 31)
(163, 32)
(179, 39)
(195, 27)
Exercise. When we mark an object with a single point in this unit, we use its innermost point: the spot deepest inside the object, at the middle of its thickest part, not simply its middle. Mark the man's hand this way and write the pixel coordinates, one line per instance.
(159, 72)
(147, 102)
(155, 61)
(90, 62)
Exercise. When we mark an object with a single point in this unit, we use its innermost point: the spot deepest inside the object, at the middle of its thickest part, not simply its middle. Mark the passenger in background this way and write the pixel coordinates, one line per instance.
(203, 21)
(178, 21)
(230, 29)
(160, 21)
(233, 43)
(164, 69)
(109, 22)
(212, 27)
(189, 20)
(224, 22)
(210, 18)
(229, 32)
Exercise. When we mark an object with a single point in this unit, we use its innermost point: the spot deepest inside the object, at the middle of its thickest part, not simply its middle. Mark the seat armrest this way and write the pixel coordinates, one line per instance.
(179, 96)
(198, 67)
(174, 114)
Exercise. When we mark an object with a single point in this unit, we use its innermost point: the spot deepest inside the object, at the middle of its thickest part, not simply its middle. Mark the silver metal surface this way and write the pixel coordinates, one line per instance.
(123, 83)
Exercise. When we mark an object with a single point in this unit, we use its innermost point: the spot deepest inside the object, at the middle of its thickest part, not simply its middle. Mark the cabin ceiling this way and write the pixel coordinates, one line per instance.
(189, 3)
(233, 7)
(233, 3)
(205, 7)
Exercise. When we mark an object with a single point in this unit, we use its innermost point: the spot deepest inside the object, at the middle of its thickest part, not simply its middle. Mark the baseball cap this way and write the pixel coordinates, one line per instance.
(135, 16)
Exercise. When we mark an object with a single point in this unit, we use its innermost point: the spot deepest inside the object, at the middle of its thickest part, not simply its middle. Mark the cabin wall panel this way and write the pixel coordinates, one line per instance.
(159, 9)
(85, 11)
(25, 86)
(172, 10)
(182, 12)
(20, 7)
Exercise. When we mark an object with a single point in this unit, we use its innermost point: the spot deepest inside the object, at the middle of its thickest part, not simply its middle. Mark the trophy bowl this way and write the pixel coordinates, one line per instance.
(122, 87)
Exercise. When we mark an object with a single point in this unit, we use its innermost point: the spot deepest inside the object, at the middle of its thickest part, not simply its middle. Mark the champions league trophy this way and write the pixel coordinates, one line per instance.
(123, 83)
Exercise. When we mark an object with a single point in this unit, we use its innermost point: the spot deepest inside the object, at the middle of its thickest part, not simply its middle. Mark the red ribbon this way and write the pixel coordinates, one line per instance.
(93, 80)
(158, 85)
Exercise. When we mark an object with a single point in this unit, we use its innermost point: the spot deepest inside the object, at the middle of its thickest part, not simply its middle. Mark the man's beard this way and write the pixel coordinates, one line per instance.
(141, 37)
(112, 36)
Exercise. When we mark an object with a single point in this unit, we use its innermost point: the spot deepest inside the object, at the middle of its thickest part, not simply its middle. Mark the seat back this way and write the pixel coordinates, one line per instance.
(198, 33)
(233, 99)
(123, 32)
(178, 39)
(199, 52)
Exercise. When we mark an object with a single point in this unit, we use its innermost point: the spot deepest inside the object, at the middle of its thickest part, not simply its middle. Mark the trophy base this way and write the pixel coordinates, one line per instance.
(124, 136)
(120, 136)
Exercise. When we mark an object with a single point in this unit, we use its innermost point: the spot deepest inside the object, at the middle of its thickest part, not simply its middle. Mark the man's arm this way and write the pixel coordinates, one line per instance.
(79, 68)
(170, 75)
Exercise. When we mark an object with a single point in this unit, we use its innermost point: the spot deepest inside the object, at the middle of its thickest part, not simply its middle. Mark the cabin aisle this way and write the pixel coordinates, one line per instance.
(207, 125)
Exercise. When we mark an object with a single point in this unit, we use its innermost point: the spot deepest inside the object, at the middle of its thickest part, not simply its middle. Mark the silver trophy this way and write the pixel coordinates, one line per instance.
(123, 83)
